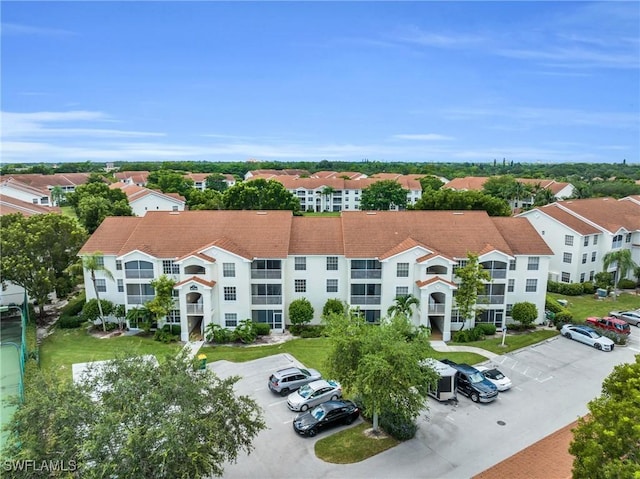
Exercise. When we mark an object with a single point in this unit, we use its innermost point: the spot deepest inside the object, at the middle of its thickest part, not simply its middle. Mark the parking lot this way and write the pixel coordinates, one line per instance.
(552, 383)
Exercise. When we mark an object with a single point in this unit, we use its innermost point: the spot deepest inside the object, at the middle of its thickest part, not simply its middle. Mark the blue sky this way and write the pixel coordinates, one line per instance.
(400, 81)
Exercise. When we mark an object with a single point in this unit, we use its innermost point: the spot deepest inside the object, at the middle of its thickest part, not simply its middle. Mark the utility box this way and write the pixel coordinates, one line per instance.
(446, 388)
(202, 361)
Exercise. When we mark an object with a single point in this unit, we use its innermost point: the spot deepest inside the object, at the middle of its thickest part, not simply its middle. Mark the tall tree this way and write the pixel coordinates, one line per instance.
(205, 200)
(216, 182)
(606, 443)
(260, 194)
(360, 354)
(132, 417)
(37, 252)
(430, 182)
(623, 261)
(446, 199)
(163, 301)
(472, 278)
(382, 195)
(94, 201)
(403, 305)
(92, 263)
(57, 195)
(169, 181)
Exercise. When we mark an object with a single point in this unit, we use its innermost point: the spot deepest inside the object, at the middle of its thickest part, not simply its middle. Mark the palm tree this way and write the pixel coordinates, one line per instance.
(544, 196)
(92, 263)
(623, 262)
(403, 305)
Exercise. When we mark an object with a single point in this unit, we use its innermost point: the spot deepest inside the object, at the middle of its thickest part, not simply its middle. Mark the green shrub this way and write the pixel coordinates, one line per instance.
(520, 327)
(525, 313)
(262, 329)
(245, 332)
(70, 322)
(619, 339)
(300, 311)
(398, 425)
(568, 289)
(626, 284)
(565, 316)
(312, 331)
(172, 329)
(487, 329)
(603, 280)
(588, 287)
(74, 306)
(332, 306)
(164, 336)
(214, 333)
(109, 326)
(552, 305)
(468, 335)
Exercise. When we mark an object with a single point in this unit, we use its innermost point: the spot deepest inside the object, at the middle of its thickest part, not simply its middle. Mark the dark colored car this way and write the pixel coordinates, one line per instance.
(609, 323)
(471, 383)
(325, 415)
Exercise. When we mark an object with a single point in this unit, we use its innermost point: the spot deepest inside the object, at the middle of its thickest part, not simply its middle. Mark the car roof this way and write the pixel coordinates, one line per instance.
(288, 371)
(321, 383)
(584, 328)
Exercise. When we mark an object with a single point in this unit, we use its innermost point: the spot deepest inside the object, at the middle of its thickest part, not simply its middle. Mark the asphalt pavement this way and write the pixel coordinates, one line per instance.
(552, 383)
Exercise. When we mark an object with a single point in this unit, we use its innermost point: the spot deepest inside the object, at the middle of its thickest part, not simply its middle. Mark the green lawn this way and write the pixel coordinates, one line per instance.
(586, 305)
(351, 445)
(512, 341)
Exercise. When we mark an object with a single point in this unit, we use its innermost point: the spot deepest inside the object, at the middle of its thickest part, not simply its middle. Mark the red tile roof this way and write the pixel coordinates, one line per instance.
(608, 213)
(521, 236)
(316, 235)
(9, 205)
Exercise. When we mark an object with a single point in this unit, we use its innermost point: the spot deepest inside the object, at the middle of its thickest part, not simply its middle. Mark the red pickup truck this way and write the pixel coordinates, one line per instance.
(610, 324)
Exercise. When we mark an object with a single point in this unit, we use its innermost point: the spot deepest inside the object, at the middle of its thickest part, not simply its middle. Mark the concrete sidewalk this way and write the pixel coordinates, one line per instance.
(443, 347)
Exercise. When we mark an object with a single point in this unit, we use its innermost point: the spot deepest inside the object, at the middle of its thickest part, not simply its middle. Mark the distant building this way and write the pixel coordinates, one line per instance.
(143, 200)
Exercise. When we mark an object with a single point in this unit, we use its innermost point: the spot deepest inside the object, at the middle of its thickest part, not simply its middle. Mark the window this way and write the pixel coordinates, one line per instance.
(118, 265)
(169, 267)
(266, 294)
(174, 316)
(101, 285)
(138, 269)
(370, 315)
(592, 274)
(266, 269)
(229, 270)
(627, 238)
(402, 291)
(273, 317)
(568, 240)
(229, 293)
(402, 270)
(617, 241)
(534, 262)
(582, 277)
(174, 208)
(300, 285)
(512, 265)
(531, 286)
(230, 320)
(120, 286)
(586, 241)
(332, 263)
(565, 277)
(301, 263)
(512, 286)
(139, 293)
(584, 258)
(595, 240)
(509, 309)
(566, 257)
(100, 260)
(365, 269)
(365, 293)
(593, 257)
(332, 286)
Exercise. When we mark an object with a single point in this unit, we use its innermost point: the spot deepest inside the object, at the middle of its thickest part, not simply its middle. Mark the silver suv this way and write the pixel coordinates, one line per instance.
(288, 380)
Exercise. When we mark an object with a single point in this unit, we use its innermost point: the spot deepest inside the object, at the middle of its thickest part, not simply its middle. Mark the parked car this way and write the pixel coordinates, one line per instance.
(631, 317)
(587, 335)
(609, 323)
(471, 383)
(286, 380)
(328, 414)
(494, 375)
(313, 394)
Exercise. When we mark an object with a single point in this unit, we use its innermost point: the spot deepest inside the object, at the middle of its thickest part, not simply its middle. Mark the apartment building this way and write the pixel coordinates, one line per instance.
(233, 265)
(582, 232)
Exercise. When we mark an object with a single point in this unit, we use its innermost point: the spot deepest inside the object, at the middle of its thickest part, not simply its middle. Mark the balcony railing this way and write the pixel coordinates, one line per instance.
(138, 273)
(195, 308)
(366, 274)
(497, 273)
(266, 299)
(493, 299)
(266, 273)
(365, 299)
(138, 298)
(438, 308)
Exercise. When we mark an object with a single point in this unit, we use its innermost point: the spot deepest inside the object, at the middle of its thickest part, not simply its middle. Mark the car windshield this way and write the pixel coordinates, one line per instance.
(494, 374)
(476, 377)
(305, 391)
(305, 372)
(318, 413)
(593, 334)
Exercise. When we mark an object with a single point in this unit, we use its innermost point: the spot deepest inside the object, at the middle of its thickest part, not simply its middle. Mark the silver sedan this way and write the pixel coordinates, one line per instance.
(587, 335)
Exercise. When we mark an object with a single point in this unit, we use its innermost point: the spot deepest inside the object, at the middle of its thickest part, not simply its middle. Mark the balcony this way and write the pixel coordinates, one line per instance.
(366, 274)
(364, 299)
(138, 273)
(261, 299)
(138, 298)
(497, 273)
(195, 308)
(266, 274)
(492, 299)
(436, 308)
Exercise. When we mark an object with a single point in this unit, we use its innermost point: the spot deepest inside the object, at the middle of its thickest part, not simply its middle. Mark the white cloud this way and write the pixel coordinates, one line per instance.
(21, 29)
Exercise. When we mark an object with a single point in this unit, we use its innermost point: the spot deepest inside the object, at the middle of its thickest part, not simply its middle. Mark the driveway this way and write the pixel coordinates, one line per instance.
(553, 381)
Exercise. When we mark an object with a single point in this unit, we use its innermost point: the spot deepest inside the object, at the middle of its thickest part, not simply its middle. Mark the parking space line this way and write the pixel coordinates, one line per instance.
(277, 402)
(544, 380)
